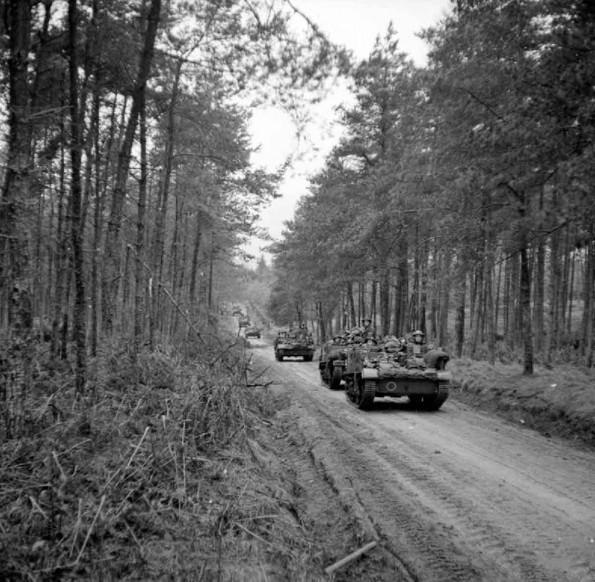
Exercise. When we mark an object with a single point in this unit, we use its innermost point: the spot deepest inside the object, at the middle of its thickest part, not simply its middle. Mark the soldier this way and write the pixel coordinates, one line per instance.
(418, 347)
(418, 336)
(368, 331)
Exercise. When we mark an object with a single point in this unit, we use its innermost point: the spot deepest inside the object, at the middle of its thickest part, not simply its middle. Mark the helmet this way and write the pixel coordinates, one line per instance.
(366, 319)
(418, 332)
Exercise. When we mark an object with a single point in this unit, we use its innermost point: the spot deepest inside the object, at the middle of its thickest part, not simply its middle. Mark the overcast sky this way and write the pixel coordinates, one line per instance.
(355, 24)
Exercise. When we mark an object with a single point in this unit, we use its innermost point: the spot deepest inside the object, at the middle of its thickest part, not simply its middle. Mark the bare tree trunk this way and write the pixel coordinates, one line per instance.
(159, 246)
(434, 290)
(588, 323)
(513, 302)
(351, 304)
(570, 301)
(413, 317)
(489, 307)
(100, 190)
(499, 262)
(401, 289)
(211, 262)
(554, 294)
(173, 261)
(60, 319)
(126, 320)
(182, 253)
(476, 307)
(565, 291)
(373, 309)
(423, 291)
(111, 278)
(539, 294)
(13, 257)
(525, 304)
(192, 298)
(79, 314)
(139, 272)
(321, 324)
(384, 300)
(461, 292)
(444, 301)
(361, 302)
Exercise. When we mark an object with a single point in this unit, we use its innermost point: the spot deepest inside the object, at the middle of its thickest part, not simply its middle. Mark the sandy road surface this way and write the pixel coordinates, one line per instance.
(451, 495)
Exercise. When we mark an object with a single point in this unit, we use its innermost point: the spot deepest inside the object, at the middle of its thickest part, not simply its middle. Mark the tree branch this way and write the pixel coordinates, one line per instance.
(480, 101)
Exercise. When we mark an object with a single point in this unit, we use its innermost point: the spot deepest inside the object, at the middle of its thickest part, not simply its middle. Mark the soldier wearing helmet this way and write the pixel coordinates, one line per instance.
(417, 347)
(418, 336)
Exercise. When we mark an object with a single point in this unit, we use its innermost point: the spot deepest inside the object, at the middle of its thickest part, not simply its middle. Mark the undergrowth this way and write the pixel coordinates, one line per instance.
(153, 473)
(557, 401)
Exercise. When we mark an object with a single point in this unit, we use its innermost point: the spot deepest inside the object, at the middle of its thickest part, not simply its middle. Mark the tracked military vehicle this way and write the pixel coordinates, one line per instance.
(374, 371)
(332, 364)
(290, 344)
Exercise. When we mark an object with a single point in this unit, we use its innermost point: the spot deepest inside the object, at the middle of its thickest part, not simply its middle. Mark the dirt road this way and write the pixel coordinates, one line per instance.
(451, 495)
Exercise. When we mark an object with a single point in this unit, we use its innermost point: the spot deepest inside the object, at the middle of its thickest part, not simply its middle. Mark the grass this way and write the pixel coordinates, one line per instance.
(154, 474)
(558, 401)
(160, 470)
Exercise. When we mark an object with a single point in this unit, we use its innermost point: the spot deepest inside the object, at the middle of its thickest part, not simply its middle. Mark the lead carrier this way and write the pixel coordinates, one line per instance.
(396, 368)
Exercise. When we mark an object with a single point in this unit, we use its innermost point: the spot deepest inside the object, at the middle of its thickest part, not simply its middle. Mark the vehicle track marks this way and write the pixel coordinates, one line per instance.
(453, 495)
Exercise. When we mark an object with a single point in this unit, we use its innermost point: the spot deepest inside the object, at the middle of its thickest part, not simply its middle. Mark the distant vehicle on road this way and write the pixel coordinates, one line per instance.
(244, 322)
(294, 344)
(252, 331)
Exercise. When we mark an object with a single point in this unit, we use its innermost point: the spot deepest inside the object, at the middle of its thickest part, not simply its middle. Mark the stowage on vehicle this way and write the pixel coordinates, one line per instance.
(396, 367)
(294, 343)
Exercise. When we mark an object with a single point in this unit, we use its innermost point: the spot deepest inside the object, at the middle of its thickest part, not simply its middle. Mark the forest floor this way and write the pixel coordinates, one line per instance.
(204, 468)
(556, 401)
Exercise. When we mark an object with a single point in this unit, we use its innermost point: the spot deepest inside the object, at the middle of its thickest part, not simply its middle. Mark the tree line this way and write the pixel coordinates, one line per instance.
(460, 198)
(127, 183)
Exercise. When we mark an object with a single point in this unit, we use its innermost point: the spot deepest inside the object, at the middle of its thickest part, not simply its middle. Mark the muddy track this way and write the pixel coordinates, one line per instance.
(451, 495)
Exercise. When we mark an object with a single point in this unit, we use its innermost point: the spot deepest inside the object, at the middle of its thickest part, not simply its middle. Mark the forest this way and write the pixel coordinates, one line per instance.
(458, 201)
(460, 198)
(128, 189)
(128, 194)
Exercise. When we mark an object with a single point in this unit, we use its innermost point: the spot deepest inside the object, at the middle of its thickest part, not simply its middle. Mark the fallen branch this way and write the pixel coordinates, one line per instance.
(78, 559)
(261, 373)
(350, 557)
(263, 385)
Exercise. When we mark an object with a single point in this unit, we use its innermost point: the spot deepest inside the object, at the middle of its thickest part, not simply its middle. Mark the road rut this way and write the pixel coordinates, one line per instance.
(450, 495)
